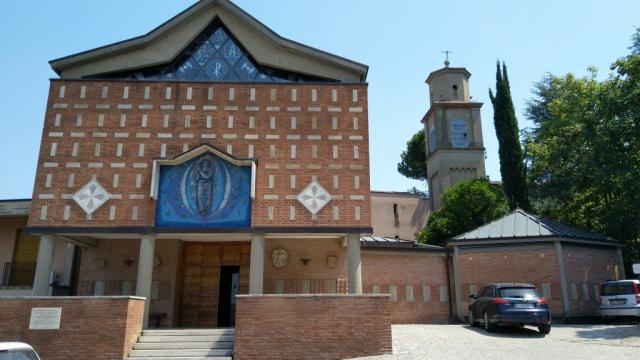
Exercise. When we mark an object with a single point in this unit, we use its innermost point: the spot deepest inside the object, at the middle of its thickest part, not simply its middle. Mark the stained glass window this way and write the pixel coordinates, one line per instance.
(215, 55)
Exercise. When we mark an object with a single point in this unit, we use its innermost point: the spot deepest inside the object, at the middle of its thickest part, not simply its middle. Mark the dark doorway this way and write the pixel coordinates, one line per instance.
(229, 282)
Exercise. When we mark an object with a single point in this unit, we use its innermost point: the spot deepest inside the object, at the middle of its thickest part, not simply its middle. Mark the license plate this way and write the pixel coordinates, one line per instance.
(617, 302)
(523, 306)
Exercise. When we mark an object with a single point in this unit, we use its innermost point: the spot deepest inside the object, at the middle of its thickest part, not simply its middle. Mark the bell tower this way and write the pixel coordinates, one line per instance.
(453, 132)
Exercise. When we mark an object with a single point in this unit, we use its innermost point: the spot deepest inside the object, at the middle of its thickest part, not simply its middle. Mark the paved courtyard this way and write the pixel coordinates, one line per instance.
(464, 342)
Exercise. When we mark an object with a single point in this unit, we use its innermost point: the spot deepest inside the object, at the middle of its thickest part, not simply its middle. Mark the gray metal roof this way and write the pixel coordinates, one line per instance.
(393, 243)
(521, 224)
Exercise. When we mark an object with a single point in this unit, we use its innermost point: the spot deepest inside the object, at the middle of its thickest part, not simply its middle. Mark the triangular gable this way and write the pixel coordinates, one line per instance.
(192, 154)
(215, 55)
(165, 44)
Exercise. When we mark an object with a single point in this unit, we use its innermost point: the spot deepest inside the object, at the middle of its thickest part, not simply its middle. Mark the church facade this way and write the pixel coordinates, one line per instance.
(207, 158)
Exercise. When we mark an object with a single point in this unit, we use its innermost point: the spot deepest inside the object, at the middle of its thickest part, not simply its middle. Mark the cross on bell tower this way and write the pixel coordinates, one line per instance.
(446, 61)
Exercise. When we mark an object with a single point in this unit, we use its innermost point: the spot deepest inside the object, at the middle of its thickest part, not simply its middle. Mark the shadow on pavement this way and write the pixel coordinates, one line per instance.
(508, 332)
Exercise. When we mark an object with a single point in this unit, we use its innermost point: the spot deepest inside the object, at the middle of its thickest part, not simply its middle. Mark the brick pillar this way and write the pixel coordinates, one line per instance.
(41, 280)
(457, 287)
(354, 264)
(145, 272)
(256, 267)
(563, 278)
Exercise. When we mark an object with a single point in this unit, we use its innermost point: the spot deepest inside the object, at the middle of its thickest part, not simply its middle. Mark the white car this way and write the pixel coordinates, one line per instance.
(620, 298)
(17, 351)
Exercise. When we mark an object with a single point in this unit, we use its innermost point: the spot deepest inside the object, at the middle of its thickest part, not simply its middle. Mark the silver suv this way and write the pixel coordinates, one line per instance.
(620, 298)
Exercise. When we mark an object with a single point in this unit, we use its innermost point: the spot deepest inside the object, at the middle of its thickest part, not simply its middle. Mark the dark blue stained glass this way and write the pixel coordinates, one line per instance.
(215, 56)
(245, 69)
(204, 52)
(187, 70)
(231, 52)
(218, 38)
(263, 78)
(217, 68)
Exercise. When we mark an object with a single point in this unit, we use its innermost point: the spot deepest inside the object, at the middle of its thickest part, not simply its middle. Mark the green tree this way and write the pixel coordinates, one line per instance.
(583, 152)
(512, 167)
(465, 206)
(413, 162)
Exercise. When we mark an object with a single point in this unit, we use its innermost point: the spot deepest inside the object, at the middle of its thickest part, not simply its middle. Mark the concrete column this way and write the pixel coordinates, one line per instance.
(256, 267)
(457, 288)
(563, 279)
(145, 272)
(354, 270)
(41, 281)
(621, 260)
(70, 253)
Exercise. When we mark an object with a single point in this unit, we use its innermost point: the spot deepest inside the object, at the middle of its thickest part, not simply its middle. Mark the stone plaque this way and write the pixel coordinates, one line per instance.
(45, 319)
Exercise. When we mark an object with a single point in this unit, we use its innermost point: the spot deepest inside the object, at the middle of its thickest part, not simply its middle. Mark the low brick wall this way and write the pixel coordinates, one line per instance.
(90, 327)
(312, 326)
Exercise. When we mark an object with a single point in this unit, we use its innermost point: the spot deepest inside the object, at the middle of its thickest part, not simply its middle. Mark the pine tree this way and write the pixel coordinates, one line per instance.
(511, 155)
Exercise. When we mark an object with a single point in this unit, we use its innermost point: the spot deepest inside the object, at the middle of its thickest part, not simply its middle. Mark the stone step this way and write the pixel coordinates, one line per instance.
(180, 338)
(184, 345)
(181, 353)
(189, 332)
(182, 358)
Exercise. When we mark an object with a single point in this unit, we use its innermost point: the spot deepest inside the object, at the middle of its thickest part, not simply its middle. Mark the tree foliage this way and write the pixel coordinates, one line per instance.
(413, 162)
(583, 152)
(512, 167)
(465, 206)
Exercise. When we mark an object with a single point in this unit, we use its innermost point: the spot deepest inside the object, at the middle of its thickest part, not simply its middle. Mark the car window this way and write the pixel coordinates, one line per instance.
(515, 292)
(617, 289)
(25, 354)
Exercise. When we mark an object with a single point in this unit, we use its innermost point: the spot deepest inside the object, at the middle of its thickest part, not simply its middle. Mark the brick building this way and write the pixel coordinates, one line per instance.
(207, 146)
(212, 158)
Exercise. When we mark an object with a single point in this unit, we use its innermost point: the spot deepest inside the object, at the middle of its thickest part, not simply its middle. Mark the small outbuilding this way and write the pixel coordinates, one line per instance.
(567, 264)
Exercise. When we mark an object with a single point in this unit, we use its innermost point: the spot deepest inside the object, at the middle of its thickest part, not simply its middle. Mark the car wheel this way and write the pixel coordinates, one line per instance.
(472, 320)
(487, 325)
(544, 329)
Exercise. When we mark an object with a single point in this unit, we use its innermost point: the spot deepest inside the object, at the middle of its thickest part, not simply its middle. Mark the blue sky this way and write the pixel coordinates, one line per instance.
(401, 41)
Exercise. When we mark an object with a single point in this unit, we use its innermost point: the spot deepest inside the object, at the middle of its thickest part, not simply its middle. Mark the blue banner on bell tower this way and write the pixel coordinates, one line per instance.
(206, 191)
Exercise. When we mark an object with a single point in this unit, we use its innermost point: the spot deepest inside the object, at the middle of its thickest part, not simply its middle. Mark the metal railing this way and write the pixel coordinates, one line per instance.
(18, 274)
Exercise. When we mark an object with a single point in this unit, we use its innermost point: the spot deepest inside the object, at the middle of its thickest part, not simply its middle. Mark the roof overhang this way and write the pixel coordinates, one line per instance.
(531, 240)
(192, 154)
(15, 208)
(164, 43)
(448, 70)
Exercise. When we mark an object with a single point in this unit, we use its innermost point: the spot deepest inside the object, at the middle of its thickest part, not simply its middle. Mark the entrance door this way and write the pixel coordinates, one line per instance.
(229, 282)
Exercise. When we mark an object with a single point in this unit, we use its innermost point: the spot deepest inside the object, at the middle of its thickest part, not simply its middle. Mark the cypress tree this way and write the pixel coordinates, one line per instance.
(511, 155)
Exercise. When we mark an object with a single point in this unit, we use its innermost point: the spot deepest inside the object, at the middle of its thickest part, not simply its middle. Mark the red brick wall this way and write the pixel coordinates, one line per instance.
(408, 269)
(90, 328)
(536, 265)
(588, 268)
(51, 201)
(113, 252)
(312, 326)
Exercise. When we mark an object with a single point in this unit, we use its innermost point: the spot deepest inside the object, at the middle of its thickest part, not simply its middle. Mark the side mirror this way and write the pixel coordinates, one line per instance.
(472, 296)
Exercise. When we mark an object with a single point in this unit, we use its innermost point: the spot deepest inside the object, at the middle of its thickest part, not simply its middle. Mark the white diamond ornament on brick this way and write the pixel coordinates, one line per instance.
(91, 196)
(314, 197)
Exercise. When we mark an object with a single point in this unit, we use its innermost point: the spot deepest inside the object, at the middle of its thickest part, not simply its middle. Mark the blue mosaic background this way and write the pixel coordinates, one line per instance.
(204, 192)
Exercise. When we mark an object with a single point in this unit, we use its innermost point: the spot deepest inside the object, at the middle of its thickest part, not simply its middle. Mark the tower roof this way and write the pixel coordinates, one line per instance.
(447, 69)
(166, 42)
